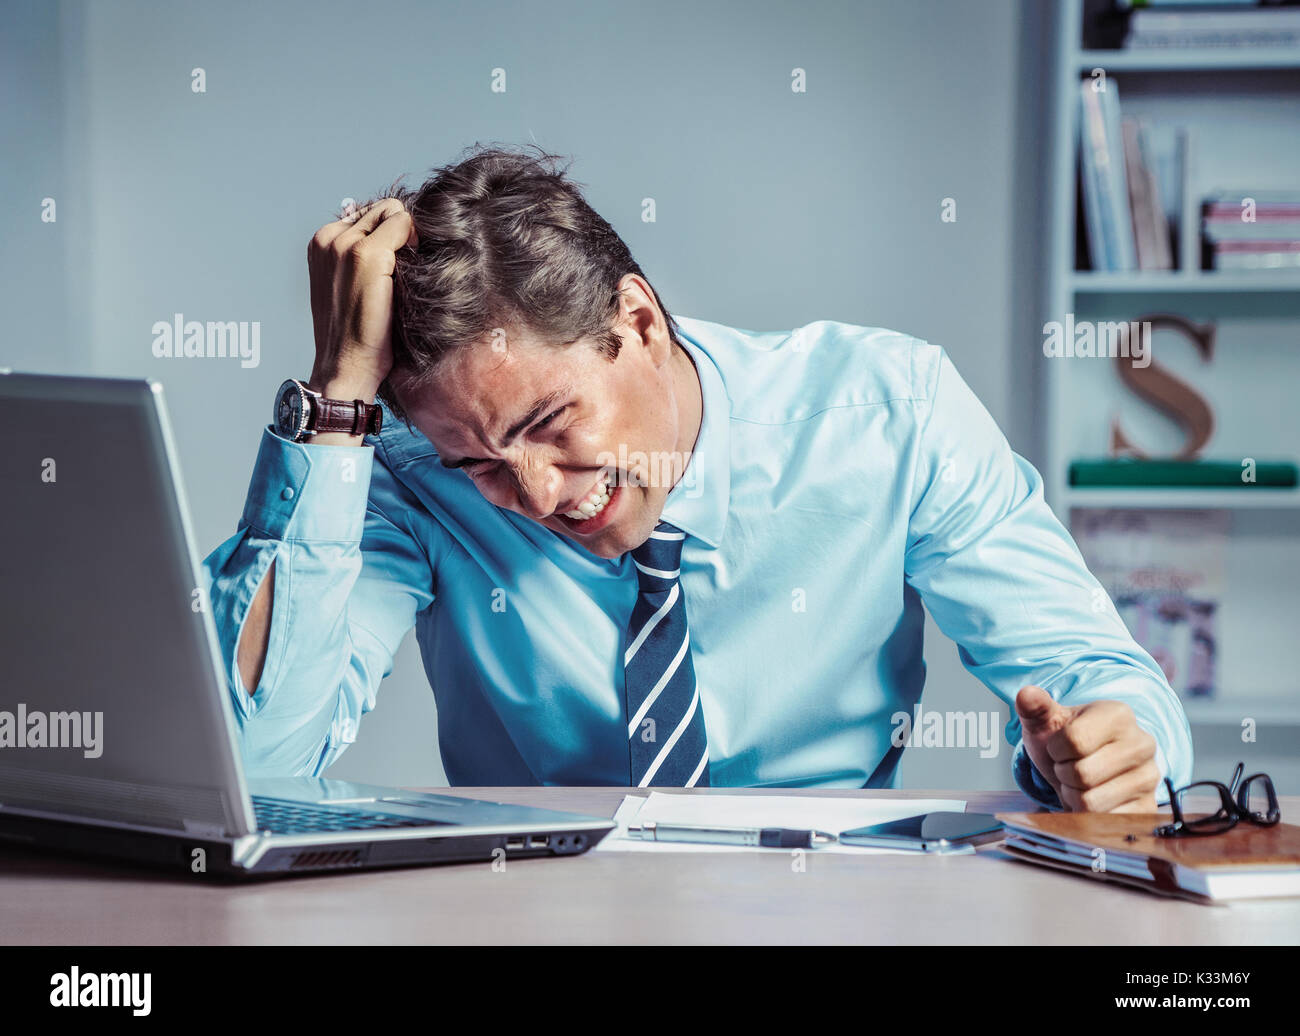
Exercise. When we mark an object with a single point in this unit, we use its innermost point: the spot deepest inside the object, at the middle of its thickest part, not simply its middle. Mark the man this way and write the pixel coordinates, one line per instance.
(645, 550)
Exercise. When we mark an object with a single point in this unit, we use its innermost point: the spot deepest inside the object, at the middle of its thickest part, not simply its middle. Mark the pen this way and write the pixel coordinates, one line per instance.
(770, 837)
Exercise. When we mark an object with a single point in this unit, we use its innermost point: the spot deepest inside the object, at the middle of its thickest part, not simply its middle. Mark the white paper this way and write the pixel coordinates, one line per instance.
(794, 811)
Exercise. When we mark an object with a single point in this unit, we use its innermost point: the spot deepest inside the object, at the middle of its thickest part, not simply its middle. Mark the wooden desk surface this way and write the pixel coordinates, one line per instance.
(628, 898)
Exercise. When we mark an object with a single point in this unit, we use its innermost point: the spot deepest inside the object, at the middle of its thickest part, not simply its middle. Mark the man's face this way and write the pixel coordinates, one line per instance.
(547, 431)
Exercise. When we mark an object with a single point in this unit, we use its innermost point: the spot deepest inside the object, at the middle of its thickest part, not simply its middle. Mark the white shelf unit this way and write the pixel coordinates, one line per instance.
(1183, 59)
(1243, 109)
(1183, 499)
(1194, 282)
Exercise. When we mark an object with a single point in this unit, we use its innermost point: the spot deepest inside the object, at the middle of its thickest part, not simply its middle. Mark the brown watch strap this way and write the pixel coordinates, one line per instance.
(353, 417)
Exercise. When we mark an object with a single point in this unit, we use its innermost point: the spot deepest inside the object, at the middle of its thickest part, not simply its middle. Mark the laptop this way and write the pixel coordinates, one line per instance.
(117, 735)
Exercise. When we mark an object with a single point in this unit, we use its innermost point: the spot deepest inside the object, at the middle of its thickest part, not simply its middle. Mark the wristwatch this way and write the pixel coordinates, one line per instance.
(301, 412)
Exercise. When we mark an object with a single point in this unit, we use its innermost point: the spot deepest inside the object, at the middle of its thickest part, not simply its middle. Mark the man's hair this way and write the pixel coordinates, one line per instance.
(506, 240)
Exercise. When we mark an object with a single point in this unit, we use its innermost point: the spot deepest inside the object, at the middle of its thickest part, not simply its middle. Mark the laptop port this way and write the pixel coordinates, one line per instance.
(537, 842)
(515, 843)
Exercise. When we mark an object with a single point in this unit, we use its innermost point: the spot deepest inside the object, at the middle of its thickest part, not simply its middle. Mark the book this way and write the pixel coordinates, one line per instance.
(1265, 228)
(1150, 227)
(1105, 184)
(1246, 27)
(1282, 200)
(1255, 255)
(1117, 194)
(1247, 862)
(1203, 474)
(1128, 5)
(1172, 167)
(1092, 162)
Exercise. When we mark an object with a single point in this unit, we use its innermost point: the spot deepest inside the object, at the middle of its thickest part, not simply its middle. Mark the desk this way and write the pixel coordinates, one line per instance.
(629, 898)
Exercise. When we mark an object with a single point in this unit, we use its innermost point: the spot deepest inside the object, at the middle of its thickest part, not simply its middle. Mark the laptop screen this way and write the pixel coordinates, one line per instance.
(111, 706)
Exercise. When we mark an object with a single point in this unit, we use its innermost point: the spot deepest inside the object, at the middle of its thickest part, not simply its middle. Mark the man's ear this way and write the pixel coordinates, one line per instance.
(642, 317)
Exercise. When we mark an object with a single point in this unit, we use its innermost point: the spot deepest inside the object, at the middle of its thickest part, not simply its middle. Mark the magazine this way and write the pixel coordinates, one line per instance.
(1163, 569)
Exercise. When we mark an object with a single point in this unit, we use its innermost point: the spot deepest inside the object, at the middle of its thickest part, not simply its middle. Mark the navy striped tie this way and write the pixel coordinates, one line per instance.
(665, 727)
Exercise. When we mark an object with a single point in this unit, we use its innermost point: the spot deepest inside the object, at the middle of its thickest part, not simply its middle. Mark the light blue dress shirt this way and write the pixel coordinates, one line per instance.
(843, 477)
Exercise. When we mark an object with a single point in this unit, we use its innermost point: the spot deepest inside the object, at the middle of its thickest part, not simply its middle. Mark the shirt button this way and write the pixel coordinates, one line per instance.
(286, 493)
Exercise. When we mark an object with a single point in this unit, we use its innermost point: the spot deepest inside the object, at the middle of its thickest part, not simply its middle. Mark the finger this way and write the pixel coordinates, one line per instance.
(394, 229)
(1137, 783)
(1142, 804)
(375, 213)
(1093, 725)
(1108, 761)
(1040, 714)
(327, 234)
(351, 216)
(343, 233)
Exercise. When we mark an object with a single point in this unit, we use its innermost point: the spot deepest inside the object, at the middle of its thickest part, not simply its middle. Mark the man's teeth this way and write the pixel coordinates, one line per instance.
(593, 504)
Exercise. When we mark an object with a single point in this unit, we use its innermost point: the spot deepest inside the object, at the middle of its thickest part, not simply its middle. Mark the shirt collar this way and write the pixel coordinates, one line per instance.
(699, 502)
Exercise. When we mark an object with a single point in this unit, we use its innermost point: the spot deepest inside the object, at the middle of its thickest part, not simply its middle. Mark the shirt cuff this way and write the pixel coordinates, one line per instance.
(302, 491)
(1031, 782)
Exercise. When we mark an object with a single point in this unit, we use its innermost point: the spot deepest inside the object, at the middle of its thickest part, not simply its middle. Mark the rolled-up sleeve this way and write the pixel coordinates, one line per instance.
(350, 578)
(1003, 578)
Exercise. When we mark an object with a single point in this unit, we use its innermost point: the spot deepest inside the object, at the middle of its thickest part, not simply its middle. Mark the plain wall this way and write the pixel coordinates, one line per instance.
(774, 208)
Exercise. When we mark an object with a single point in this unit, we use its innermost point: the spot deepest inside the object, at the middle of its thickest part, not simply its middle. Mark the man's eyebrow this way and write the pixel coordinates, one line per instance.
(540, 408)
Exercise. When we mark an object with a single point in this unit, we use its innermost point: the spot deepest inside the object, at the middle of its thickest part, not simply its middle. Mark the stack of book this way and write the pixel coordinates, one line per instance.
(1251, 230)
(1183, 24)
(1247, 862)
(1132, 203)
(1127, 213)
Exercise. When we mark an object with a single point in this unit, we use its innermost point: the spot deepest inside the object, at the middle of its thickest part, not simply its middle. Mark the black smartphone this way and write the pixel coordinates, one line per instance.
(928, 832)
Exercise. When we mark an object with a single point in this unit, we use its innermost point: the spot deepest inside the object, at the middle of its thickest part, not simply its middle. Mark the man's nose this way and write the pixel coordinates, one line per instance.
(538, 491)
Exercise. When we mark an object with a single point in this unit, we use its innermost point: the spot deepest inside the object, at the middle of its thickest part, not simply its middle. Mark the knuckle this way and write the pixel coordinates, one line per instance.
(360, 253)
(1085, 773)
(1073, 738)
(1112, 713)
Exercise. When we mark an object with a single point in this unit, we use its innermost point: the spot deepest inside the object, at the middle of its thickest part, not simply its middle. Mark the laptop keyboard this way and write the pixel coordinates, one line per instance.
(286, 817)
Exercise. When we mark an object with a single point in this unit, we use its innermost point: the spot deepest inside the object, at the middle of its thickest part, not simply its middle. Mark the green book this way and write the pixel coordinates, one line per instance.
(1152, 474)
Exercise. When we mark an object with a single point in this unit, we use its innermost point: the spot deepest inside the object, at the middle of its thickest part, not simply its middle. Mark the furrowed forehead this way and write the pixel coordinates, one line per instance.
(480, 405)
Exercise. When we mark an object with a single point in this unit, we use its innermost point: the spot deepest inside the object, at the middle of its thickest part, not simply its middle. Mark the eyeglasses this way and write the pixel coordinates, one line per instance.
(1255, 792)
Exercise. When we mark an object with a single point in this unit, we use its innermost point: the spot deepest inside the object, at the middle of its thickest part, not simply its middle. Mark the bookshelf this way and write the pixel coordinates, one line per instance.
(1242, 108)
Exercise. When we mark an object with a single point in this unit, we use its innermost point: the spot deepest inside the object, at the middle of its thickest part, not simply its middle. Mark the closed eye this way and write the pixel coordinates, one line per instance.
(551, 417)
(475, 466)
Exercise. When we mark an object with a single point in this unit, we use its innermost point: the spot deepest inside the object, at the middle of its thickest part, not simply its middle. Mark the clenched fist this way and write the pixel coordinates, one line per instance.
(351, 263)
(1095, 755)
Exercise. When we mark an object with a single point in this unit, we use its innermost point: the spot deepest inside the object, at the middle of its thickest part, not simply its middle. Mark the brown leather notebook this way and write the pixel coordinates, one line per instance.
(1247, 862)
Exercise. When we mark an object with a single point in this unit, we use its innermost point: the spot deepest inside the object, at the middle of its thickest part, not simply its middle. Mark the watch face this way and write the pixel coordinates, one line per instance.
(289, 415)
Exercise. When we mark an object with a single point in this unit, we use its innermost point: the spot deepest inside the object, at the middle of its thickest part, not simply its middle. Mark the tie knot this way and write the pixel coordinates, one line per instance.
(659, 558)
